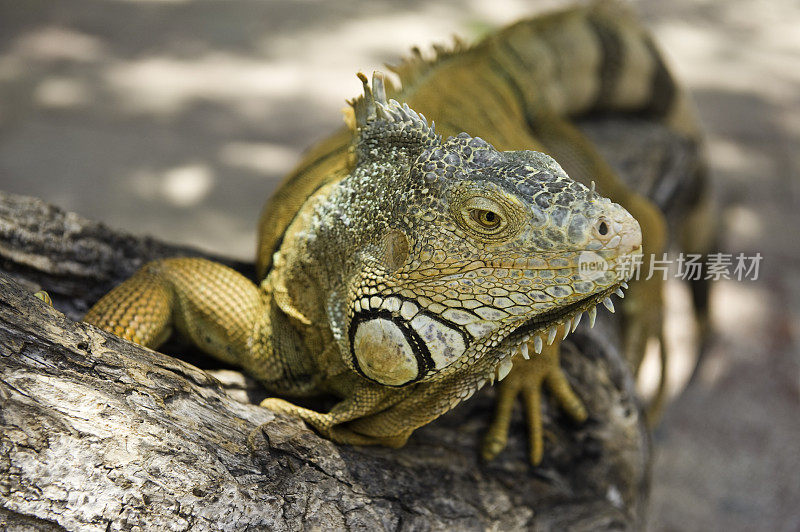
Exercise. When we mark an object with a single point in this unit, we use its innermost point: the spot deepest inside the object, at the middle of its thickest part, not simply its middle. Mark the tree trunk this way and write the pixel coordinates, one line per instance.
(100, 434)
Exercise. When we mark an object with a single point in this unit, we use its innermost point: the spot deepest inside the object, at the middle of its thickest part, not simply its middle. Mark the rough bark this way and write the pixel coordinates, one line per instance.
(100, 434)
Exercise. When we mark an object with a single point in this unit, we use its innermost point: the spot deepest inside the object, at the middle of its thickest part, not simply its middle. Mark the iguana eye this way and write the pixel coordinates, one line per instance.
(487, 219)
(485, 213)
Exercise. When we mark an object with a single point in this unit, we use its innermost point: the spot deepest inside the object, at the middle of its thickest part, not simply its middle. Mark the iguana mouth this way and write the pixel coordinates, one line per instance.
(557, 316)
(544, 328)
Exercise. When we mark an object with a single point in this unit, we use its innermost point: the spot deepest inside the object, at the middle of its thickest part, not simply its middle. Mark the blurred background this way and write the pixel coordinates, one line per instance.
(177, 118)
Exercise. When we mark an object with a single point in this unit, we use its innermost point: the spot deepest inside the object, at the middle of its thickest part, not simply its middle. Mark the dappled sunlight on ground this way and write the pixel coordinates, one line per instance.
(182, 186)
(742, 312)
(258, 157)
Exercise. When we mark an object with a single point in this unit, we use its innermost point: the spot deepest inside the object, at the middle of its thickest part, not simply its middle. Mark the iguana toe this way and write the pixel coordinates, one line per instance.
(525, 380)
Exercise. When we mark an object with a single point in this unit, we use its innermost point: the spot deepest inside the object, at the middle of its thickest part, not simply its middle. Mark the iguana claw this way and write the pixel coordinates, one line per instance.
(526, 379)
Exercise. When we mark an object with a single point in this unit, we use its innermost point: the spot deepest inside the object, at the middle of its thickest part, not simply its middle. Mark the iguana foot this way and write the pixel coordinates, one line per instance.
(526, 378)
(333, 424)
(322, 423)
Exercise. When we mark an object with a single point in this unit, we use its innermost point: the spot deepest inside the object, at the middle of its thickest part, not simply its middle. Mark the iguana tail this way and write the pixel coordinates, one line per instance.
(593, 58)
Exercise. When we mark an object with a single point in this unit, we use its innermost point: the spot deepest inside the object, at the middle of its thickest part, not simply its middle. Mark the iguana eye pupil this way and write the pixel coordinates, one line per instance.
(487, 219)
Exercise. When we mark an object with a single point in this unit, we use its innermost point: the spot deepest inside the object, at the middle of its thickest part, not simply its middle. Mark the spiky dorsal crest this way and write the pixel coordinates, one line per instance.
(414, 68)
(382, 124)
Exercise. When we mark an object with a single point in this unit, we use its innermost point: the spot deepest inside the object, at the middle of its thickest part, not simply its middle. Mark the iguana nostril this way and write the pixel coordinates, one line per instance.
(602, 228)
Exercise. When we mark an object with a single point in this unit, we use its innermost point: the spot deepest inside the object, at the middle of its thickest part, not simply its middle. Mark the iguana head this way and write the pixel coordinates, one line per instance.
(471, 253)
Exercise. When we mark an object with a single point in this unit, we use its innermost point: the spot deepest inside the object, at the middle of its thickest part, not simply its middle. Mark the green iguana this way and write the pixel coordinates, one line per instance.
(401, 267)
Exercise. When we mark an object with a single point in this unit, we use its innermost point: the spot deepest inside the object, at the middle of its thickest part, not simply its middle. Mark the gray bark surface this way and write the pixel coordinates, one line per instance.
(100, 434)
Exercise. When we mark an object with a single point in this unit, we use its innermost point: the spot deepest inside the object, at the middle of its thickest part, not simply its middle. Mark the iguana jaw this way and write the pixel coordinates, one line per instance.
(533, 334)
(543, 328)
(551, 319)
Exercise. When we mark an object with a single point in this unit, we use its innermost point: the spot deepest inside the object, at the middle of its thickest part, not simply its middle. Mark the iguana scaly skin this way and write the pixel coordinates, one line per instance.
(401, 267)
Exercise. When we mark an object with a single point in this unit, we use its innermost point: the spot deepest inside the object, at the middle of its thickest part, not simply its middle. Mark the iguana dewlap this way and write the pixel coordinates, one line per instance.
(401, 271)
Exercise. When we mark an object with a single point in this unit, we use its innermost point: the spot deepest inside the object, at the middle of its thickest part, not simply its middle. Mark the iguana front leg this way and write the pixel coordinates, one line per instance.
(225, 315)
(213, 305)
(526, 379)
